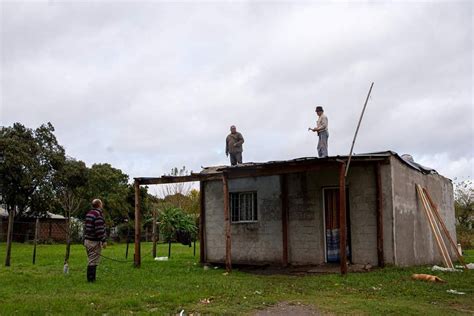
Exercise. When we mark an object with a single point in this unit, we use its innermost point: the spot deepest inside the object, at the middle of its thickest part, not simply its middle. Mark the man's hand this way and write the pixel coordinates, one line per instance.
(227, 154)
(104, 244)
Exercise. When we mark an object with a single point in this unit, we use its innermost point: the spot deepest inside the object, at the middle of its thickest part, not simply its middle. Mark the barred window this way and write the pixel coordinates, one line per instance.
(243, 207)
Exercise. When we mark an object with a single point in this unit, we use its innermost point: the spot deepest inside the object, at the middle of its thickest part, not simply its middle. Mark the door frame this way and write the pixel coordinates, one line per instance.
(348, 221)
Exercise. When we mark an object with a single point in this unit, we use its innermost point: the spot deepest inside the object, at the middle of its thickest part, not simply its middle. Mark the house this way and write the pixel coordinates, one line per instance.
(52, 227)
(293, 212)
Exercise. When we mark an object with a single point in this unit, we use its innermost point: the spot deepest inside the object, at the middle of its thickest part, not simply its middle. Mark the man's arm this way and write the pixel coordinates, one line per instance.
(227, 146)
(100, 228)
(240, 140)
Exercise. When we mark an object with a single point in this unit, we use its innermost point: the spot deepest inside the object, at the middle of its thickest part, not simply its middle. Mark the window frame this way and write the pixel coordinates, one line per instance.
(254, 207)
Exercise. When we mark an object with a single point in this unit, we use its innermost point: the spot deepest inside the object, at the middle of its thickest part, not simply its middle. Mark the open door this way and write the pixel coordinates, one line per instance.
(332, 225)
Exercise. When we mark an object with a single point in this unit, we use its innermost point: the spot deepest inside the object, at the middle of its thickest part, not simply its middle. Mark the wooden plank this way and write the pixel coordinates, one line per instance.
(432, 225)
(177, 179)
(137, 256)
(228, 240)
(342, 218)
(11, 218)
(446, 231)
(379, 214)
(202, 222)
(284, 217)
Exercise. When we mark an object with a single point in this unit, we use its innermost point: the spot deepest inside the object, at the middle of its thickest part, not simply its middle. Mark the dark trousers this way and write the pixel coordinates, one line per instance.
(235, 158)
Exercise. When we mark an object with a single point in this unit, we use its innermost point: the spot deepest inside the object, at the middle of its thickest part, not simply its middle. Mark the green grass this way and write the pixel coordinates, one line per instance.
(168, 287)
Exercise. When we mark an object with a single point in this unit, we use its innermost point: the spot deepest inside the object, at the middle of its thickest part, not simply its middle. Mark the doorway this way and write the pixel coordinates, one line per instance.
(331, 203)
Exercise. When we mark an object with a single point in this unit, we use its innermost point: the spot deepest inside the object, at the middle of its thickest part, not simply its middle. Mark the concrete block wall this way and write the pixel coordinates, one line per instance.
(363, 219)
(258, 242)
(414, 242)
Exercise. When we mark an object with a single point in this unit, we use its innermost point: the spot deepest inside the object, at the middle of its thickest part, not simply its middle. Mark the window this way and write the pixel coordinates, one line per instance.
(243, 207)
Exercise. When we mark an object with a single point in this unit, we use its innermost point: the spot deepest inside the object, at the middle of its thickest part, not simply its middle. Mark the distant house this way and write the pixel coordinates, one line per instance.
(52, 227)
(290, 212)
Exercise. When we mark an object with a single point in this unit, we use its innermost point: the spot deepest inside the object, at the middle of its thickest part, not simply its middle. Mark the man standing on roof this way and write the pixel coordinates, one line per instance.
(233, 146)
(323, 133)
(94, 238)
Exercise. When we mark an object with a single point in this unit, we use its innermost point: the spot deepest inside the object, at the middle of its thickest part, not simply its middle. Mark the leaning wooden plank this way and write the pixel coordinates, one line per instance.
(420, 194)
(438, 232)
(445, 230)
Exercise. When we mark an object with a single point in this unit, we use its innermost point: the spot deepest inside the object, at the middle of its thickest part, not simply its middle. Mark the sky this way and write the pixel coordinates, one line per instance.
(148, 86)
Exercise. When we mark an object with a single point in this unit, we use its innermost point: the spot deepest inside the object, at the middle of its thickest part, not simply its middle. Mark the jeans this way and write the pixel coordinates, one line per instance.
(323, 144)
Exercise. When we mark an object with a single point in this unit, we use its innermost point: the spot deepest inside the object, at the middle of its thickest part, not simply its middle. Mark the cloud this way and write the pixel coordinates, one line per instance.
(148, 86)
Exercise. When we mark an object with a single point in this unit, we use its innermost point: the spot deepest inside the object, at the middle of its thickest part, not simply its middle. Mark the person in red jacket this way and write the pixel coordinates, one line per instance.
(94, 238)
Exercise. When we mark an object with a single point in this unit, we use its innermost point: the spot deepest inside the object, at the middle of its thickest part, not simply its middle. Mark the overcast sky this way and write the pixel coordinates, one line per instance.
(146, 86)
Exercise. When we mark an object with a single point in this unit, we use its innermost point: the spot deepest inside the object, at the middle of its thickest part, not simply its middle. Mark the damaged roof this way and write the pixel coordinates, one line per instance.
(406, 159)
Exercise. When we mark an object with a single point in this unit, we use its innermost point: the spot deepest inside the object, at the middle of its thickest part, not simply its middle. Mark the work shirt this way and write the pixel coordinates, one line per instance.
(322, 124)
(94, 226)
(233, 143)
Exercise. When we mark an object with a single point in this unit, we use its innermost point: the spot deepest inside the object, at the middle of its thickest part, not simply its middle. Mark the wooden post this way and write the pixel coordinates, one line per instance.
(342, 218)
(137, 256)
(68, 239)
(154, 232)
(169, 248)
(36, 239)
(128, 238)
(11, 217)
(228, 240)
(202, 222)
(284, 217)
(379, 214)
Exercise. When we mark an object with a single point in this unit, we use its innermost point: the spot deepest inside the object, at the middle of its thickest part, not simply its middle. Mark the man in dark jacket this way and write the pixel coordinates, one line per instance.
(94, 238)
(233, 146)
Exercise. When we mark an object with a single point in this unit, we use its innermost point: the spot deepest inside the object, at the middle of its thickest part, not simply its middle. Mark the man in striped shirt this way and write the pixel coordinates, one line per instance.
(94, 238)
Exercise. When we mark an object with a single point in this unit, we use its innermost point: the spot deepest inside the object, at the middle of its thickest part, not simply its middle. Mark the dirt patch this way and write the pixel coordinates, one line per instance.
(286, 308)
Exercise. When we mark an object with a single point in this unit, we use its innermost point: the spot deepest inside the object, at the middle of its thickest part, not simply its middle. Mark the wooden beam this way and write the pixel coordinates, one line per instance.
(342, 218)
(379, 215)
(228, 240)
(284, 217)
(137, 256)
(202, 222)
(178, 179)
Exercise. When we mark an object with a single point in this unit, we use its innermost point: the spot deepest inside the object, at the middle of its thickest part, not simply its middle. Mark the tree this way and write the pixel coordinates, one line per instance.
(31, 158)
(111, 186)
(464, 203)
(172, 220)
(70, 183)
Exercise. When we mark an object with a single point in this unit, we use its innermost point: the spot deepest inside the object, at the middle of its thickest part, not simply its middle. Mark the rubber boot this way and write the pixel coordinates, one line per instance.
(90, 273)
(93, 273)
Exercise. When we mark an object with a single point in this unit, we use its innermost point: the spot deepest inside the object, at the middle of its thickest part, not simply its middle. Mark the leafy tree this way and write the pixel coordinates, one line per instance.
(464, 203)
(70, 183)
(111, 186)
(31, 158)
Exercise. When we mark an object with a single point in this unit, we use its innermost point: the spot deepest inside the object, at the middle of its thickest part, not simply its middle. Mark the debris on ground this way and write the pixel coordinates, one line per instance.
(438, 268)
(427, 277)
(455, 292)
(161, 259)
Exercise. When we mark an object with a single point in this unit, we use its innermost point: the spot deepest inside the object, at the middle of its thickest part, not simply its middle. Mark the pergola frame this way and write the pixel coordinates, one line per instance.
(282, 169)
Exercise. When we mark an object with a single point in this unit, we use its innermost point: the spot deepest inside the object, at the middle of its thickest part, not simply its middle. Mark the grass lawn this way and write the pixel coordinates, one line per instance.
(167, 287)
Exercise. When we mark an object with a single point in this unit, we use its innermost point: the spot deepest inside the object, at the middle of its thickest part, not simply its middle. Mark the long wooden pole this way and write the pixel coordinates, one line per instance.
(137, 256)
(154, 232)
(284, 217)
(36, 240)
(202, 222)
(342, 219)
(228, 240)
(432, 225)
(446, 232)
(357, 130)
(11, 217)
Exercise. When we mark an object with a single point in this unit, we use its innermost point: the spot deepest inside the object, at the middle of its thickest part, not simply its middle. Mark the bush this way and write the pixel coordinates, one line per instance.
(465, 237)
